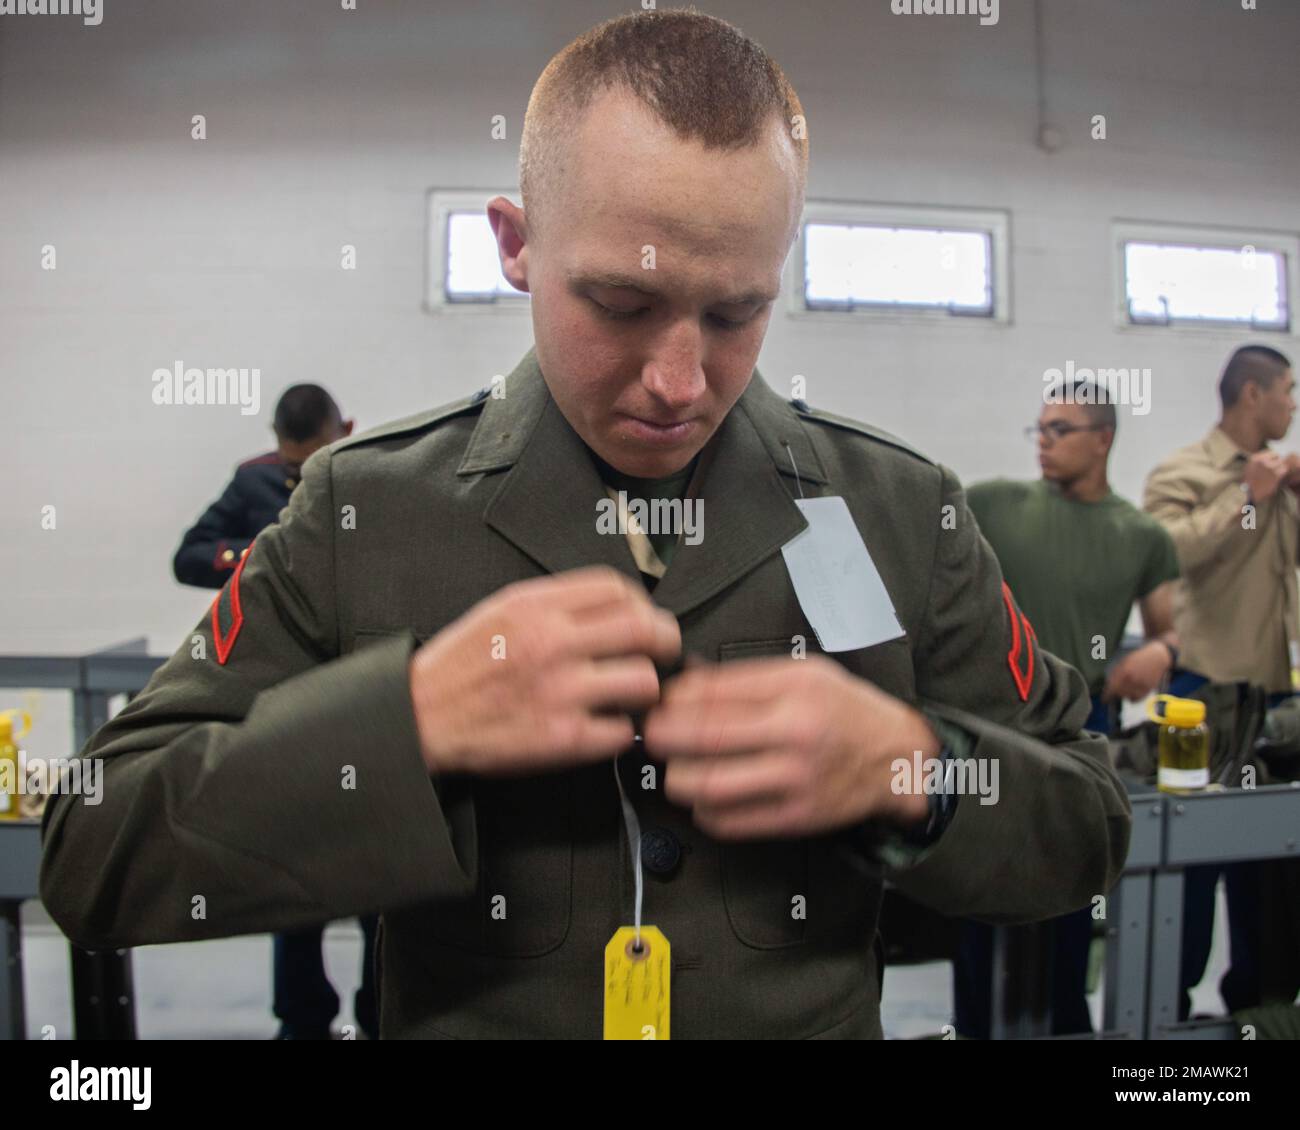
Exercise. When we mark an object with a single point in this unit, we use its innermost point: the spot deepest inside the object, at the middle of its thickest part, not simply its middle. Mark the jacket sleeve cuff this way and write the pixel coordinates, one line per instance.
(899, 848)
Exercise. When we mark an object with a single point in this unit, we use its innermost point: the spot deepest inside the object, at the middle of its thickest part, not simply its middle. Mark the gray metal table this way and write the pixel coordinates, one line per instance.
(103, 1002)
(20, 861)
(1171, 833)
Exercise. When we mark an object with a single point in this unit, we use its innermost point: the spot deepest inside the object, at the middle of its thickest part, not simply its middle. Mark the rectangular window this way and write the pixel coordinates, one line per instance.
(464, 268)
(901, 262)
(1188, 277)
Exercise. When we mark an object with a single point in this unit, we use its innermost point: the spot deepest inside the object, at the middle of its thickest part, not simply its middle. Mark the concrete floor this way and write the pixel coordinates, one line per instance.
(222, 989)
(203, 990)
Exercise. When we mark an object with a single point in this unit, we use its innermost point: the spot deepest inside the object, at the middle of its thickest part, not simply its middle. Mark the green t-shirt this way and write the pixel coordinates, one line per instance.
(1075, 568)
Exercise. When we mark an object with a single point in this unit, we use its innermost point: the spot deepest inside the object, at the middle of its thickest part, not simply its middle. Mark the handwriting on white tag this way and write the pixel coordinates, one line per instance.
(837, 583)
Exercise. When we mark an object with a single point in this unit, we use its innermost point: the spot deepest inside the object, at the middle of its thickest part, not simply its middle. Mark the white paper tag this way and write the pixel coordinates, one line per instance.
(837, 583)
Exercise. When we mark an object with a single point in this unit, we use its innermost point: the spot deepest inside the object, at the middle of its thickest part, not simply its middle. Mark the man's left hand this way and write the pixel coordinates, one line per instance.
(784, 747)
(1292, 478)
(1138, 673)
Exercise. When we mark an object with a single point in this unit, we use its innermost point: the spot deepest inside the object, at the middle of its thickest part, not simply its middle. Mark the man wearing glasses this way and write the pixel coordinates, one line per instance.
(1077, 556)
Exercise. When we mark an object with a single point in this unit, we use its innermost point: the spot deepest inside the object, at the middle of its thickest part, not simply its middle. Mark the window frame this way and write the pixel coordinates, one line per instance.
(440, 203)
(1124, 232)
(992, 222)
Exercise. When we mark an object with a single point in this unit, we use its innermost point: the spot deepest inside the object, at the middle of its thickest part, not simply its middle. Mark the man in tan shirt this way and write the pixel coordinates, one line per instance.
(1236, 526)
(1230, 504)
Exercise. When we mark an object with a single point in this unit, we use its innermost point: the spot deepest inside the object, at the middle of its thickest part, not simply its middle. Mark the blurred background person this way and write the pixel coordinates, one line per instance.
(306, 419)
(1078, 557)
(1229, 502)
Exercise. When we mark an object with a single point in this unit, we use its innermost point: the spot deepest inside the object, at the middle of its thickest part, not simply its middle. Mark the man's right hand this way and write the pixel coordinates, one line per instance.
(1265, 472)
(541, 675)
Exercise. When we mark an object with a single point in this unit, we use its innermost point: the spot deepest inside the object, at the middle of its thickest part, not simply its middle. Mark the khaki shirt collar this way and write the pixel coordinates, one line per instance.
(1222, 449)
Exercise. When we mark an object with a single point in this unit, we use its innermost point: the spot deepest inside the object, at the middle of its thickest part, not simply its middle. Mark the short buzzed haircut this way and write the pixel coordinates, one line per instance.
(1256, 364)
(1095, 397)
(697, 74)
(305, 411)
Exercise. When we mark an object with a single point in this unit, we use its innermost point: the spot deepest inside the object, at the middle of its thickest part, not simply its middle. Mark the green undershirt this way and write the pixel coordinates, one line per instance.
(671, 487)
(1075, 567)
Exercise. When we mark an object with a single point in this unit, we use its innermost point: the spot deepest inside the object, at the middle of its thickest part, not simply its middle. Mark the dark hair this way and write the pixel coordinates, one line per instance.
(696, 73)
(1256, 364)
(1097, 401)
(303, 412)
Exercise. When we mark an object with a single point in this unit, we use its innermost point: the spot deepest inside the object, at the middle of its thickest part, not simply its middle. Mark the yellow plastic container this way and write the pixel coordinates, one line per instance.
(1184, 744)
(11, 786)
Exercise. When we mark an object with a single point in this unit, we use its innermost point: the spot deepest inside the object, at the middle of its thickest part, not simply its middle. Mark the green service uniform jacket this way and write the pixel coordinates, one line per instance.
(270, 777)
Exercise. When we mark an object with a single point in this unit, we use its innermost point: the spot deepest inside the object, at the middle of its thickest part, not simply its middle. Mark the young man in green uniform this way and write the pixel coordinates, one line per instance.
(411, 695)
(1078, 557)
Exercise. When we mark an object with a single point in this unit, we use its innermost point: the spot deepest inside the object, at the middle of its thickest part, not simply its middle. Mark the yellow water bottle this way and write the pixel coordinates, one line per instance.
(1184, 744)
(11, 786)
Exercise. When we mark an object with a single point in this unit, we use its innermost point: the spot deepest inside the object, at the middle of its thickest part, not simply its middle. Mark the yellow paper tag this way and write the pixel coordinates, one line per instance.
(636, 985)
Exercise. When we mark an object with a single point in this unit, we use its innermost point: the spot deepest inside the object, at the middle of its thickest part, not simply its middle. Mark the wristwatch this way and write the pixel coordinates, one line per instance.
(940, 805)
(1173, 655)
(956, 743)
(899, 846)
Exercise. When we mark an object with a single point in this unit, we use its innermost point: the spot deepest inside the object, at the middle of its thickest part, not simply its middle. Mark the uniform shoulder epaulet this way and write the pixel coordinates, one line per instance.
(851, 425)
(419, 422)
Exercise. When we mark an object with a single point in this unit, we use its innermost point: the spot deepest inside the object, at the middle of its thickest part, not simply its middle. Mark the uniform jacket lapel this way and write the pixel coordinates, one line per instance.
(749, 511)
(546, 505)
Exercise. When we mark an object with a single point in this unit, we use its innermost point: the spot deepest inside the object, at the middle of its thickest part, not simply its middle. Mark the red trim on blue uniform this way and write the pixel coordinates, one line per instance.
(1023, 681)
(219, 562)
(224, 644)
(269, 457)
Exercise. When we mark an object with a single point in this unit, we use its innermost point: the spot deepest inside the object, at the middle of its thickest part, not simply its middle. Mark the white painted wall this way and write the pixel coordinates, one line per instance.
(327, 127)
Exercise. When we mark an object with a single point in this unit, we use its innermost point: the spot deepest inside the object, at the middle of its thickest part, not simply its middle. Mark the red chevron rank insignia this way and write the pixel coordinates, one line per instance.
(1024, 680)
(226, 607)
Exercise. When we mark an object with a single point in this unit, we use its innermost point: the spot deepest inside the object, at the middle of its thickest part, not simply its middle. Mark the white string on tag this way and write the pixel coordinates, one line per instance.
(790, 452)
(634, 845)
